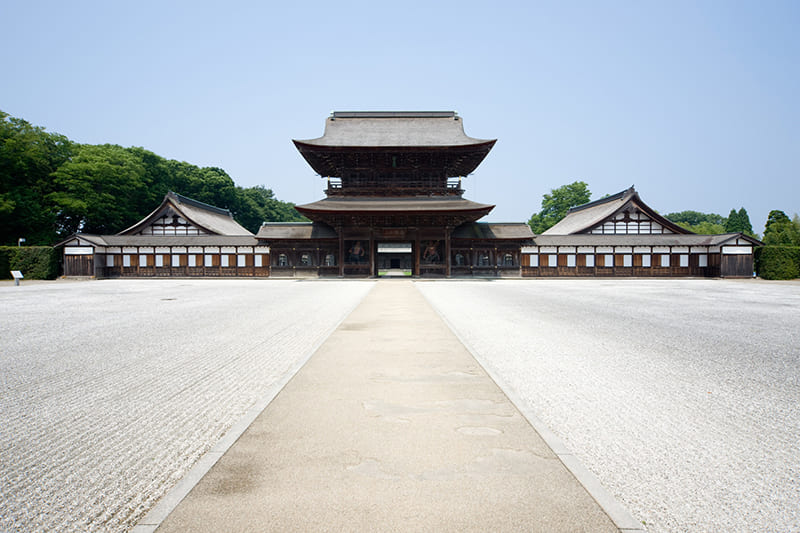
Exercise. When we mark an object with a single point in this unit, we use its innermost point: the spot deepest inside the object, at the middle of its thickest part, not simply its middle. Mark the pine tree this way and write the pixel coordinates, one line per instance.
(744, 220)
(733, 223)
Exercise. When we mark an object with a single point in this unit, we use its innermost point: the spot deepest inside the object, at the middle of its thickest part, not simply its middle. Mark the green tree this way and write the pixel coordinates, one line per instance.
(780, 230)
(28, 156)
(51, 187)
(100, 190)
(739, 222)
(733, 223)
(703, 228)
(556, 204)
(258, 204)
(689, 219)
(744, 220)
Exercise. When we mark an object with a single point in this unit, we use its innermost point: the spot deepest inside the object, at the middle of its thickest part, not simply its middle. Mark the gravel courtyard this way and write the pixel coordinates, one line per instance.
(111, 390)
(680, 395)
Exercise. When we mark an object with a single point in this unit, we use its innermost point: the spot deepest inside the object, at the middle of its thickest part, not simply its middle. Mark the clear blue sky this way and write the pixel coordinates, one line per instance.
(693, 102)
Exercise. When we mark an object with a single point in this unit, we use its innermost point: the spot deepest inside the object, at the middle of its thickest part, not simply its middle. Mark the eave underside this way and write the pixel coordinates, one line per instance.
(454, 161)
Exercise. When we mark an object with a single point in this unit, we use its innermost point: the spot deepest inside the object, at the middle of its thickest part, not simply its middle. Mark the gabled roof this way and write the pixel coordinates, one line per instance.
(494, 230)
(394, 129)
(295, 230)
(214, 220)
(162, 240)
(584, 217)
(665, 239)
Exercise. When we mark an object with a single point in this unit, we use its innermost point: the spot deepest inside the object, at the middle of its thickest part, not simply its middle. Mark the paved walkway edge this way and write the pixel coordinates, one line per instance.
(618, 514)
(153, 519)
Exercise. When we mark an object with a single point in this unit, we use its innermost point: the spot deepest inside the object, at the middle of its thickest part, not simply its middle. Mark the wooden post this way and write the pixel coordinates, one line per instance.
(447, 233)
(415, 251)
(373, 253)
(341, 251)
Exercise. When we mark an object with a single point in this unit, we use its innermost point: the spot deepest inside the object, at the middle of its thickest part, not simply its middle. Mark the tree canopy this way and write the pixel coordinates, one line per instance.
(556, 204)
(712, 223)
(780, 230)
(739, 222)
(51, 187)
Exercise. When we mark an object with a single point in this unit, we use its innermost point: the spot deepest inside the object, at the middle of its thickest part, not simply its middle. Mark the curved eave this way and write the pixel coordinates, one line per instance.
(311, 211)
(461, 159)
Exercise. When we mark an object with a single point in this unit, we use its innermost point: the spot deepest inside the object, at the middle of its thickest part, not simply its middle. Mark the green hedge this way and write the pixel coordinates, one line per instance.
(35, 262)
(778, 262)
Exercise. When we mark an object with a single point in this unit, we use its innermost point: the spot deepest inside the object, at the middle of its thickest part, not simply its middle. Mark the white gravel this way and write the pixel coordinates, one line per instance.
(680, 395)
(111, 390)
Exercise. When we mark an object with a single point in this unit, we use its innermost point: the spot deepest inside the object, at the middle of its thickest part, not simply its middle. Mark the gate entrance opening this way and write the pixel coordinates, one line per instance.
(395, 259)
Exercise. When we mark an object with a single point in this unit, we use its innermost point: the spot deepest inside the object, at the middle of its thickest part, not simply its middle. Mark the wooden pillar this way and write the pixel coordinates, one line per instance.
(341, 250)
(415, 251)
(373, 253)
(447, 233)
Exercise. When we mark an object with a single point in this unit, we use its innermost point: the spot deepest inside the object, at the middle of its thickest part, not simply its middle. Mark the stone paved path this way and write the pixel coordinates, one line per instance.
(391, 426)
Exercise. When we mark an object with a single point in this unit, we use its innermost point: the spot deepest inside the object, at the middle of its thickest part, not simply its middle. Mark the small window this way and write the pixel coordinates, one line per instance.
(258, 260)
(224, 260)
(208, 260)
(608, 260)
(534, 260)
(627, 260)
(552, 260)
(305, 260)
(283, 260)
(330, 260)
(192, 260)
(176, 260)
(159, 260)
(646, 260)
(684, 260)
(702, 260)
(459, 260)
(589, 260)
(142, 260)
(664, 260)
(109, 260)
(571, 260)
(241, 260)
(508, 260)
(483, 260)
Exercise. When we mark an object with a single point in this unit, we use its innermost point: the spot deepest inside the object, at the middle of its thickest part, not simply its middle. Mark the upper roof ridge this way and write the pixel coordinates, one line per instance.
(197, 203)
(394, 114)
(622, 194)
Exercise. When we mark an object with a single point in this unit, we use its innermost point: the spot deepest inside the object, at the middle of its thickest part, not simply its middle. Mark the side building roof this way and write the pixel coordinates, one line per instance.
(494, 230)
(666, 239)
(583, 218)
(214, 220)
(271, 231)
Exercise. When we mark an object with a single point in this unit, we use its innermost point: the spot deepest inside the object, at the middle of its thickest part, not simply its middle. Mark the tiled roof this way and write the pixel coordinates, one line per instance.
(211, 219)
(584, 217)
(397, 205)
(295, 230)
(493, 230)
(668, 239)
(170, 240)
(394, 129)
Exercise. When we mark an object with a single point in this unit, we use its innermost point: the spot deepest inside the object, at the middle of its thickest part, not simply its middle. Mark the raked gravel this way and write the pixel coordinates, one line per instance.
(111, 390)
(680, 395)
